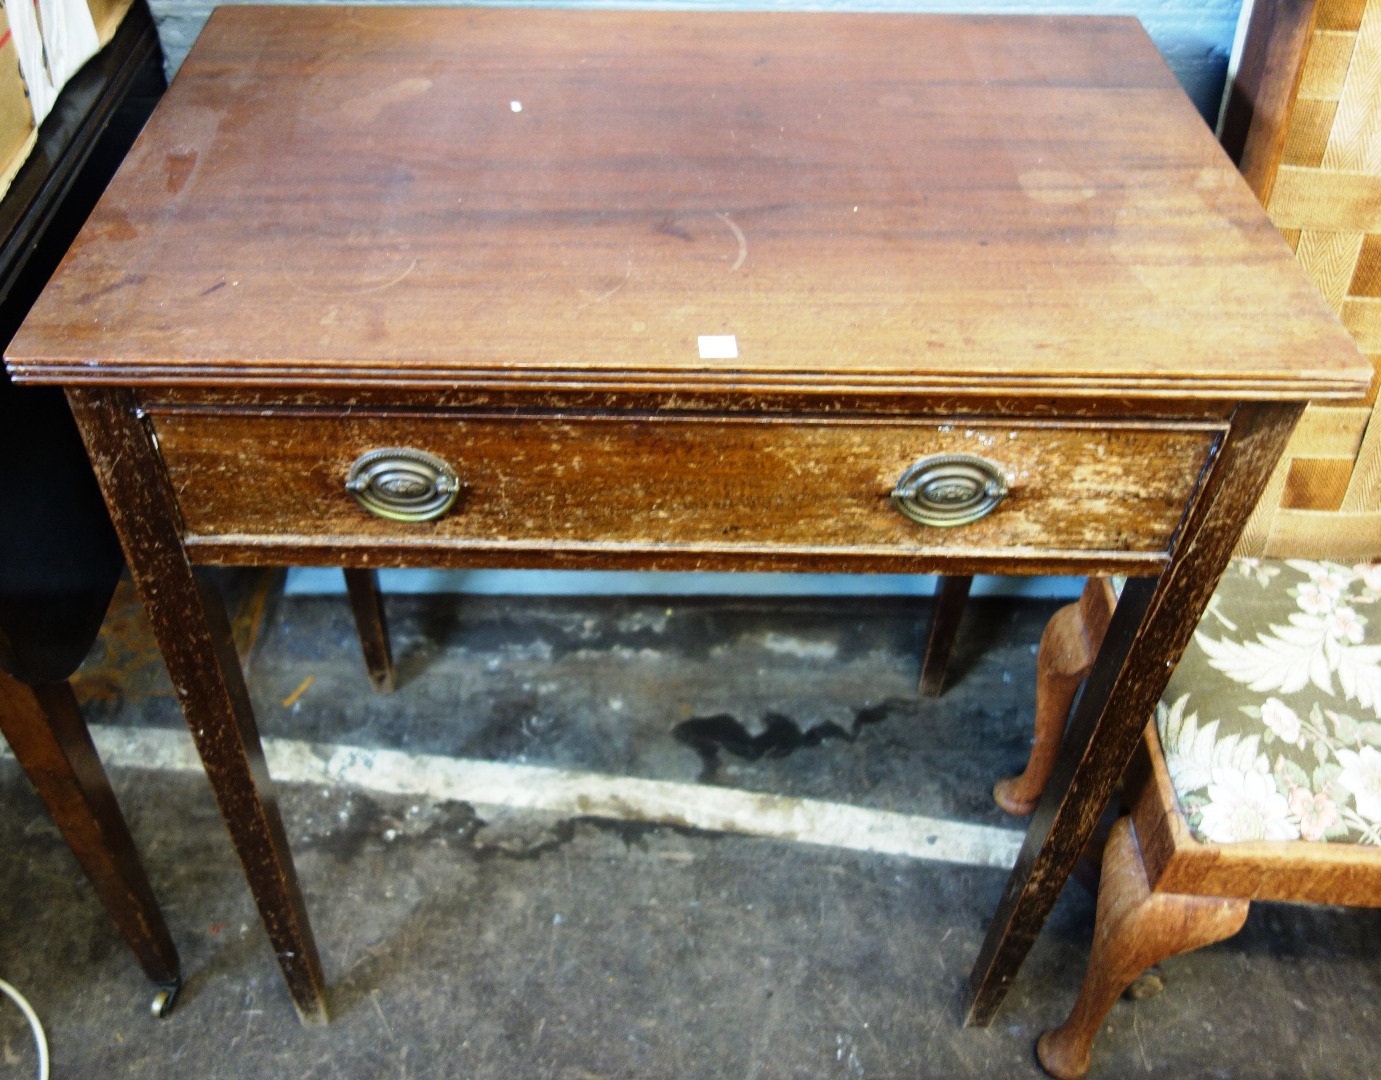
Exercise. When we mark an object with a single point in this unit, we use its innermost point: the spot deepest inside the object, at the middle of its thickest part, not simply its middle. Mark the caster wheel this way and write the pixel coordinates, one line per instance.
(163, 1001)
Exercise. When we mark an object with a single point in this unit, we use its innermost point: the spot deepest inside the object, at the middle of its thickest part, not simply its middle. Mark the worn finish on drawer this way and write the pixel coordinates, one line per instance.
(654, 482)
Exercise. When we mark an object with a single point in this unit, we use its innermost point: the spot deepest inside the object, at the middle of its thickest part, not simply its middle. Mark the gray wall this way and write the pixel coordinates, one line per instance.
(1195, 36)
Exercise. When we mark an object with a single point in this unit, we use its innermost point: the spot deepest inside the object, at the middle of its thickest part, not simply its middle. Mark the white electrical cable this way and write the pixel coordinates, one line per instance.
(40, 1040)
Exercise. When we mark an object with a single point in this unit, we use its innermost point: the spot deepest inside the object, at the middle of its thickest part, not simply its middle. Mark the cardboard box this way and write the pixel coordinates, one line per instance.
(17, 131)
(106, 14)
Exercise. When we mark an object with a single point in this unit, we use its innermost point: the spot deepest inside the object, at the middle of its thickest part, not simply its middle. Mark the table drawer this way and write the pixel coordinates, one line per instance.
(658, 483)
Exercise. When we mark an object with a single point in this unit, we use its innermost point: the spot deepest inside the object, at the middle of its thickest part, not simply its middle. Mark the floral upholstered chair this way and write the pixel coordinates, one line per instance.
(1259, 779)
(1272, 726)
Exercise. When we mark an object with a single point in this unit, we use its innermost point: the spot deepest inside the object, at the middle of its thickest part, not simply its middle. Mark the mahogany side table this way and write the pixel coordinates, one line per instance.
(462, 287)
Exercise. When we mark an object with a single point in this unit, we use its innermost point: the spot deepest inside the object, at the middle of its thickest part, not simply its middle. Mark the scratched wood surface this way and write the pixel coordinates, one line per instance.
(719, 486)
(349, 228)
(190, 624)
(350, 197)
(44, 728)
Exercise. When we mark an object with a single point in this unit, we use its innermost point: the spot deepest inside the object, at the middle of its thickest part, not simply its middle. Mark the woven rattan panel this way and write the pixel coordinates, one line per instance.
(1325, 497)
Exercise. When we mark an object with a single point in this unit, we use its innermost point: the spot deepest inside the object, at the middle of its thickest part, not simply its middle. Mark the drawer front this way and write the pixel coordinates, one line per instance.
(703, 483)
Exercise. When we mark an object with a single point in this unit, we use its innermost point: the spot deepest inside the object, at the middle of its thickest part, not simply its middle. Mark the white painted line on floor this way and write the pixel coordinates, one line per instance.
(531, 787)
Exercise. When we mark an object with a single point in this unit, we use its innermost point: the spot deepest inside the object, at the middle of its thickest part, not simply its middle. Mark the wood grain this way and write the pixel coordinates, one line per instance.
(1352, 536)
(1322, 502)
(1340, 14)
(1316, 484)
(1175, 862)
(1067, 650)
(1333, 201)
(1330, 258)
(951, 595)
(1164, 892)
(1262, 94)
(1364, 486)
(50, 740)
(189, 622)
(1362, 317)
(1297, 870)
(1150, 628)
(1137, 926)
(653, 483)
(502, 234)
(1325, 65)
(367, 605)
(1306, 136)
(1354, 143)
(914, 202)
(1329, 432)
(1074, 403)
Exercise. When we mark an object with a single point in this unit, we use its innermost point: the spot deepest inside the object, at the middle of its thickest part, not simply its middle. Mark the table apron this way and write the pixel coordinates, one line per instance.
(682, 492)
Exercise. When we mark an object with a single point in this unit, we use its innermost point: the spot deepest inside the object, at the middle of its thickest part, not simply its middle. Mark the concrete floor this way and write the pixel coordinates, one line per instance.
(482, 942)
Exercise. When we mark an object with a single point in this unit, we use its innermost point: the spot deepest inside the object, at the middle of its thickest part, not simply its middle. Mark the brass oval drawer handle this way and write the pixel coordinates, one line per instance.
(949, 489)
(403, 484)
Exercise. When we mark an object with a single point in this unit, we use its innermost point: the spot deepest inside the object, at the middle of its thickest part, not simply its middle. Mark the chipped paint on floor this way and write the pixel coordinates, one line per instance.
(467, 932)
(486, 784)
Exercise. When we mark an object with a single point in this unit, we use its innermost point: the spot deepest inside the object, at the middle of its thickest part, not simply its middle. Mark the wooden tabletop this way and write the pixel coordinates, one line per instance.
(414, 197)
